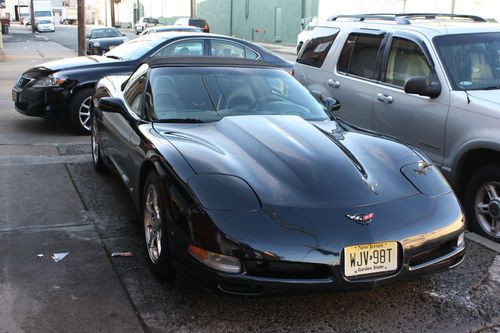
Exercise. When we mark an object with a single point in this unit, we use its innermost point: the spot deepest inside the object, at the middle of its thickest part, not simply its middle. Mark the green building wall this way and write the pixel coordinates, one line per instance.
(272, 21)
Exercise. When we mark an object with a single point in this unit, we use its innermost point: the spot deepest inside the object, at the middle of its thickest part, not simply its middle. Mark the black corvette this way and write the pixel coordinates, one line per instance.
(246, 184)
(62, 89)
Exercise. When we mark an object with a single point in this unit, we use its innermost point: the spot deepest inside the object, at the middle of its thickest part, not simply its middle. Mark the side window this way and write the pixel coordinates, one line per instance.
(220, 48)
(251, 54)
(191, 47)
(315, 50)
(134, 90)
(359, 55)
(406, 59)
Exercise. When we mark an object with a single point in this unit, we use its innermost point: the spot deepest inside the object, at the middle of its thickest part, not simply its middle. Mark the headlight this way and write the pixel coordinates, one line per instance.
(217, 261)
(50, 81)
(461, 239)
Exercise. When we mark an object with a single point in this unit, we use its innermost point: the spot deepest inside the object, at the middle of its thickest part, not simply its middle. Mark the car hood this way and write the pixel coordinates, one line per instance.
(70, 63)
(492, 96)
(289, 161)
(109, 40)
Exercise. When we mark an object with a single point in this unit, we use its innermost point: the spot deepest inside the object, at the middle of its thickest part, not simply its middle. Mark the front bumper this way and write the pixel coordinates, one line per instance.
(46, 102)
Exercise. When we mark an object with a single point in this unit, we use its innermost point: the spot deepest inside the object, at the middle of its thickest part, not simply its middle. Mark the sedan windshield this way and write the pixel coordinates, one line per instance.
(104, 33)
(134, 49)
(180, 94)
(471, 60)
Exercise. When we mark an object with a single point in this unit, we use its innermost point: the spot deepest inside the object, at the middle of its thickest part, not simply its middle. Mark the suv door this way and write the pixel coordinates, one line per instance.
(418, 120)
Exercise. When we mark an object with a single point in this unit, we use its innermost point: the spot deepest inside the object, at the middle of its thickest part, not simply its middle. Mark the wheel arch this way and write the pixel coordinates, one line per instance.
(470, 161)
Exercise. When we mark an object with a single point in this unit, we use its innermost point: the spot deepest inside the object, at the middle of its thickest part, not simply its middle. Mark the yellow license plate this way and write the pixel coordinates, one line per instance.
(370, 258)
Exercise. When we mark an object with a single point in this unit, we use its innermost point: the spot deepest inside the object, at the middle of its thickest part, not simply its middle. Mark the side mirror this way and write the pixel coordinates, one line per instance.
(423, 86)
(331, 104)
(123, 35)
(112, 104)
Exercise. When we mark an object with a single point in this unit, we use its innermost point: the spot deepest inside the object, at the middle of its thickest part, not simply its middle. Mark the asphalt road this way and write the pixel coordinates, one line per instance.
(46, 169)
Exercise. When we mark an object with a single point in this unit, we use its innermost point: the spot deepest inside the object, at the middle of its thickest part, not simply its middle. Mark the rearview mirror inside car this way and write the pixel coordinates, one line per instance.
(423, 86)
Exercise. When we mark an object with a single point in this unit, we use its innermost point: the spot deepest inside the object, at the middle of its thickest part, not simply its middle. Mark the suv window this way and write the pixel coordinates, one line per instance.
(315, 50)
(406, 59)
(359, 55)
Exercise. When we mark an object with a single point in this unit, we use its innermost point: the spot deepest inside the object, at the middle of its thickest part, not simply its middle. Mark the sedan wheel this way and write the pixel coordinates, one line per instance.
(96, 149)
(155, 228)
(482, 202)
(79, 110)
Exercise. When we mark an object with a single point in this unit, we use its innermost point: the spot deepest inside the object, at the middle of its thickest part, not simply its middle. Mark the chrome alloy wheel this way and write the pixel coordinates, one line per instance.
(84, 113)
(152, 223)
(487, 203)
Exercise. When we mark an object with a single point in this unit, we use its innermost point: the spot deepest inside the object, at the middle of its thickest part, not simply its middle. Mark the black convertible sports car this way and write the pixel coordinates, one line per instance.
(247, 184)
(63, 89)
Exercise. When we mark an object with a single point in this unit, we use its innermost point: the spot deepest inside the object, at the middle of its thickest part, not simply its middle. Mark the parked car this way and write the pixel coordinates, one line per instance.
(432, 80)
(25, 19)
(193, 21)
(144, 23)
(62, 89)
(246, 184)
(45, 25)
(171, 28)
(101, 40)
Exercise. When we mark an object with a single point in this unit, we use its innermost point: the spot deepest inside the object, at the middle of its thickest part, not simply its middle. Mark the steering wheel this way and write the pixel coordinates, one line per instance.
(264, 100)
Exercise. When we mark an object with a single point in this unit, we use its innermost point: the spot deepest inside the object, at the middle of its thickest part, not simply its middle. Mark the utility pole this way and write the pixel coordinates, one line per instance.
(138, 14)
(193, 8)
(453, 6)
(32, 17)
(81, 27)
(112, 10)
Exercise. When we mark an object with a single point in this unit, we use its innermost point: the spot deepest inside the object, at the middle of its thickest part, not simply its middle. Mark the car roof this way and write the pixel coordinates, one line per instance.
(178, 34)
(429, 26)
(206, 62)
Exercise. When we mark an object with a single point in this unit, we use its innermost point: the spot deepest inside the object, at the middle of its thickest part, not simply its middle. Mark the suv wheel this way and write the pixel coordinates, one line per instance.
(79, 111)
(482, 202)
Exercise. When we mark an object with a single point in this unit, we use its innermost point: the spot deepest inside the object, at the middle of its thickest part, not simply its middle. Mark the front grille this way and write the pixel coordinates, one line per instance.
(433, 253)
(287, 270)
(23, 82)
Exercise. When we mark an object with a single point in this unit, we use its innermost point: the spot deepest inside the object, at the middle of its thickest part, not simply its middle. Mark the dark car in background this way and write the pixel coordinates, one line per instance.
(247, 184)
(193, 21)
(101, 40)
(165, 28)
(63, 89)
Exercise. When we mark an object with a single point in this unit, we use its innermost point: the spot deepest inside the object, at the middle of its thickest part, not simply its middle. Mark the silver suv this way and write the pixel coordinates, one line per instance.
(431, 80)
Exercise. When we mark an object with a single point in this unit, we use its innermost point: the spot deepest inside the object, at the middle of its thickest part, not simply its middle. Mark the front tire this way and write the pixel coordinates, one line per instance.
(79, 111)
(99, 164)
(482, 202)
(156, 227)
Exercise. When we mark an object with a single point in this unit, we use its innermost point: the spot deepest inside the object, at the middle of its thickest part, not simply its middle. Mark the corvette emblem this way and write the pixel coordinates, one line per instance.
(361, 218)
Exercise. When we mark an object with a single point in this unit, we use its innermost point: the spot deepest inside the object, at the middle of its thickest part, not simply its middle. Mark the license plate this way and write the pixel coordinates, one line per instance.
(370, 258)
(15, 96)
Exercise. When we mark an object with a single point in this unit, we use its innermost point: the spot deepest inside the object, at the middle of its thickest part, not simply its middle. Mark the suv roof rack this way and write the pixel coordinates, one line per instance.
(404, 18)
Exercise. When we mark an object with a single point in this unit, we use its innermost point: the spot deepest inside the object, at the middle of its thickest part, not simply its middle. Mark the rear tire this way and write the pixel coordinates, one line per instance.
(482, 202)
(79, 111)
(155, 227)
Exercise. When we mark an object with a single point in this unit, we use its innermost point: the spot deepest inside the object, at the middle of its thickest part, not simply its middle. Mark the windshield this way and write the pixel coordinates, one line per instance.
(41, 13)
(472, 61)
(134, 49)
(103, 33)
(45, 22)
(209, 94)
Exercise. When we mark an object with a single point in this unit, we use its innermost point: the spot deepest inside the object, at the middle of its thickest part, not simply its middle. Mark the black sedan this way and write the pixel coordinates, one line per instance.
(101, 40)
(247, 184)
(62, 89)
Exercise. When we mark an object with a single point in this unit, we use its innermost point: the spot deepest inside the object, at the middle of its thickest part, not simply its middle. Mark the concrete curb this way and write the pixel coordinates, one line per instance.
(483, 241)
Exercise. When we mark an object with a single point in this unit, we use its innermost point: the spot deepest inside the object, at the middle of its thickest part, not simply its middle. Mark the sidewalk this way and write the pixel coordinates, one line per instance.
(42, 214)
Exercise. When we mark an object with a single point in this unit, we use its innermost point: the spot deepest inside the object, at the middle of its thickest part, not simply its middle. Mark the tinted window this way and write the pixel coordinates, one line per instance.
(359, 55)
(134, 49)
(209, 94)
(197, 23)
(472, 61)
(103, 33)
(41, 13)
(220, 48)
(406, 60)
(314, 52)
(190, 47)
(134, 90)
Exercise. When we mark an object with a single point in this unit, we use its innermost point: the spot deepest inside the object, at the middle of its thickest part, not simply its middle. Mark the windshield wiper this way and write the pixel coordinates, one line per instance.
(179, 120)
(113, 57)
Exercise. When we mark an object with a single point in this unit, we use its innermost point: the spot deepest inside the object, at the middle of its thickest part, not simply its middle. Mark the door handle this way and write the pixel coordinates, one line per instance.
(384, 98)
(333, 83)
